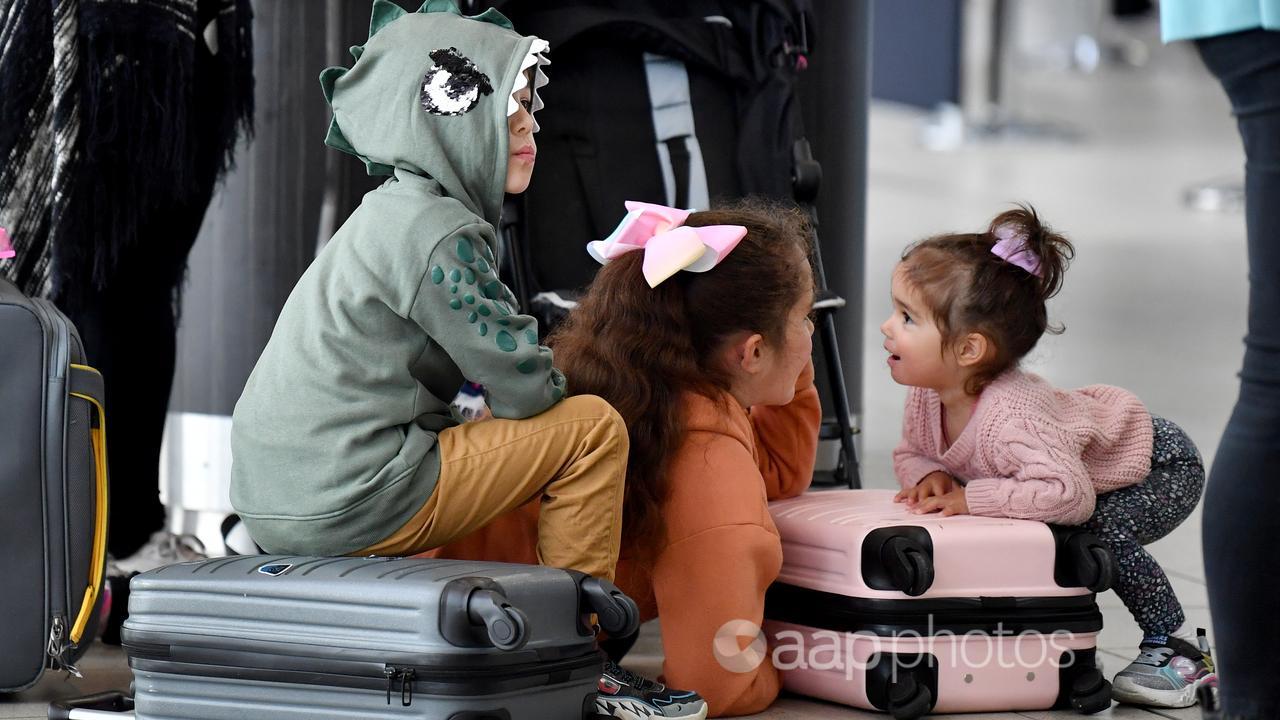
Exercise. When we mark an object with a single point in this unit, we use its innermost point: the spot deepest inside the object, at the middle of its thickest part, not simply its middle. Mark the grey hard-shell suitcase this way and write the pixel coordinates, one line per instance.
(280, 637)
(53, 491)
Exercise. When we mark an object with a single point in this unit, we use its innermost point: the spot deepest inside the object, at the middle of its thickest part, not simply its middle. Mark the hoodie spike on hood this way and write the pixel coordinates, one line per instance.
(385, 12)
(335, 138)
(493, 16)
(328, 77)
(431, 6)
(490, 16)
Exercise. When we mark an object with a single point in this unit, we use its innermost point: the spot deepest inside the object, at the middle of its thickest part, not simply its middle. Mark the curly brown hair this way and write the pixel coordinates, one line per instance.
(642, 348)
(967, 288)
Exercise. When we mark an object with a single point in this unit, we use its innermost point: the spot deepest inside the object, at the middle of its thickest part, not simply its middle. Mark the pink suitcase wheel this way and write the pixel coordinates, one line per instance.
(1093, 561)
(909, 699)
(1082, 560)
(898, 558)
(1090, 693)
(909, 565)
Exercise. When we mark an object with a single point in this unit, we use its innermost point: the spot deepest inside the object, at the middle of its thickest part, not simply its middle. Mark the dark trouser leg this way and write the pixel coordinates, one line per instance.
(1243, 499)
(129, 328)
(128, 334)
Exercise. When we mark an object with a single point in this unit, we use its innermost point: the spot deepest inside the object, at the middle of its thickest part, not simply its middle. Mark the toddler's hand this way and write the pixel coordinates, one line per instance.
(934, 484)
(952, 503)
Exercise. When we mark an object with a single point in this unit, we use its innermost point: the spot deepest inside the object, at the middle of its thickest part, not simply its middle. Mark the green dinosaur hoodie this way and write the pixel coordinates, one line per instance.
(334, 436)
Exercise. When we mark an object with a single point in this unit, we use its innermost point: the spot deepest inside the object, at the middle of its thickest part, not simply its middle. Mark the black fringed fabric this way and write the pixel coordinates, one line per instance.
(38, 130)
(147, 86)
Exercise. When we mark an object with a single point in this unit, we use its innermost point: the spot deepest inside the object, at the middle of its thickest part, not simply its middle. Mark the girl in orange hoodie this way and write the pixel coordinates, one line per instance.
(712, 372)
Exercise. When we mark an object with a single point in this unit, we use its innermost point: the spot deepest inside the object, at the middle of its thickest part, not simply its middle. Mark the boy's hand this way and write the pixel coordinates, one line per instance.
(952, 503)
(933, 484)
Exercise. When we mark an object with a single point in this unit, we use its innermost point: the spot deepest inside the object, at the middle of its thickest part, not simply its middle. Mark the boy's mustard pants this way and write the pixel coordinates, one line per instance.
(573, 456)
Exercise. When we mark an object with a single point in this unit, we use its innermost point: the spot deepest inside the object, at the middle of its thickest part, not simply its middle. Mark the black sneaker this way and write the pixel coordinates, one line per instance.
(628, 696)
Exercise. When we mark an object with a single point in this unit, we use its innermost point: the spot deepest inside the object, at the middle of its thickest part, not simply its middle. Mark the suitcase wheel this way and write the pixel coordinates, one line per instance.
(909, 699)
(1090, 693)
(1093, 562)
(506, 624)
(909, 565)
(618, 613)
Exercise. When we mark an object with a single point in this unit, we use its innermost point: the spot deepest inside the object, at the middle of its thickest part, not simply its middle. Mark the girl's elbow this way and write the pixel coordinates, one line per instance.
(1078, 509)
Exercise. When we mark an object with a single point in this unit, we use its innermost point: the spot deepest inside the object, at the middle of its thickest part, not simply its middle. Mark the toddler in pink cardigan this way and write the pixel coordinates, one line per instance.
(981, 436)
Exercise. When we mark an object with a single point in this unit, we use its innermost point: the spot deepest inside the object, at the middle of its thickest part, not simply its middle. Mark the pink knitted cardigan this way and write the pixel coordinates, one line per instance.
(1031, 450)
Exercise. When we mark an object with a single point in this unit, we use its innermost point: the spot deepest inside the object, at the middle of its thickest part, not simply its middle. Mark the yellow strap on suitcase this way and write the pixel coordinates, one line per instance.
(98, 438)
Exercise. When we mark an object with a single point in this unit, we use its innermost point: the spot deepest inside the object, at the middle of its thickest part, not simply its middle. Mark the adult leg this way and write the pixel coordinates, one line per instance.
(1243, 500)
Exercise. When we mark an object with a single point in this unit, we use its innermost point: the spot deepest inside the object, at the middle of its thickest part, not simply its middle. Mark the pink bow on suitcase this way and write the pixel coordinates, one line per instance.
(669, 246)
(6, 250)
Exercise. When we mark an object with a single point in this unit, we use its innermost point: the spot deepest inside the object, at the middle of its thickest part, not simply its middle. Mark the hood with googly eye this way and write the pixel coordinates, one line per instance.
(430, 92)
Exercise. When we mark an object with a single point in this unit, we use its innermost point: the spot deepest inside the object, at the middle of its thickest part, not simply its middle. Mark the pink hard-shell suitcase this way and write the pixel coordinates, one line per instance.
(882, 609)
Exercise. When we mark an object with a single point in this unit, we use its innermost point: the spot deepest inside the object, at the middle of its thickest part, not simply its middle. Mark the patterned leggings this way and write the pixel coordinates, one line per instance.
(1128, 518)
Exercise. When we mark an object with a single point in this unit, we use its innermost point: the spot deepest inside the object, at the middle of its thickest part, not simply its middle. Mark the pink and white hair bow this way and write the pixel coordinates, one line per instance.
(669, 245)
(1011, 246)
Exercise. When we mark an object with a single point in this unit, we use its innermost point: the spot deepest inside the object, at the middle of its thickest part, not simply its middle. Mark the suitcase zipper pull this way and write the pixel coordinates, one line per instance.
(58, 647)
(406, 687)
(405, 676)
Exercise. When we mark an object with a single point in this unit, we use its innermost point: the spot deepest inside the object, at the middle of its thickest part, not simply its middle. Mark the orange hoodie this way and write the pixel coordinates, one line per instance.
(721, 549)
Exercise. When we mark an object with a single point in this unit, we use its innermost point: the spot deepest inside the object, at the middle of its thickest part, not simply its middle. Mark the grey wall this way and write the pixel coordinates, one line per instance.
(916, 51)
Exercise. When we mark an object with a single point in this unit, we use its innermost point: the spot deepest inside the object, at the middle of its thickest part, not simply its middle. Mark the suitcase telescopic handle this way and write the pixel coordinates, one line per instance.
(507, 626)
(86, 384)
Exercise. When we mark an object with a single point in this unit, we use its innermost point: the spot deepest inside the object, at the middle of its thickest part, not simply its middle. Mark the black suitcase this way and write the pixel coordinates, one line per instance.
(53, 491)
(328, 638)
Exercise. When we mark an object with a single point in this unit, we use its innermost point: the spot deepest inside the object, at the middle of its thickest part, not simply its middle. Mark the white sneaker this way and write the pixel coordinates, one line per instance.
(164, 548)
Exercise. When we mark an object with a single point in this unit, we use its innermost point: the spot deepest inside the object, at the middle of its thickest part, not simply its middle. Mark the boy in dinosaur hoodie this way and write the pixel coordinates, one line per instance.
(343, 440)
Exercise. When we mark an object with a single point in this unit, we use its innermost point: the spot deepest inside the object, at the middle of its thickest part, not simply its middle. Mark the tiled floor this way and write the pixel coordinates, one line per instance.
(1154, 302)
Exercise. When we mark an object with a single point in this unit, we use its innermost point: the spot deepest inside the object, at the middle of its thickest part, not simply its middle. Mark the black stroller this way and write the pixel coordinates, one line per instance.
(710, 86)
